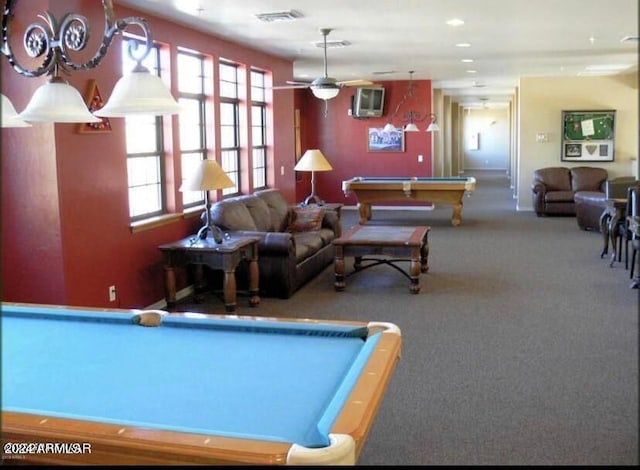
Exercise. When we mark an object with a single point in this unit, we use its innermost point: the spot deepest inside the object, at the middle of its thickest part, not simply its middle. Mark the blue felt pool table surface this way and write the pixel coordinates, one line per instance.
(263, 380)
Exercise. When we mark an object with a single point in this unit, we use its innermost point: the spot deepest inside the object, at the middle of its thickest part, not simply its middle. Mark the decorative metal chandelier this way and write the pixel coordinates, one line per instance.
(411, 116)
(138, 92)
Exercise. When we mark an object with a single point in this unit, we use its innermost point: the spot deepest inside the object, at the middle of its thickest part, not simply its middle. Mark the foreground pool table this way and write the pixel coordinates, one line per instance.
(96, 386)
(369, 190)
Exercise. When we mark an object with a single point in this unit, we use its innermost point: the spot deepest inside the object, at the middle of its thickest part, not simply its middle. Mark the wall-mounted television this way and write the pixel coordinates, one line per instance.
(368, 102)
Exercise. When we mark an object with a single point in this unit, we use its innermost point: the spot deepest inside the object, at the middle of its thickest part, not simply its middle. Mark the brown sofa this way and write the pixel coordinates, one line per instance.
(289, 253)
(559, 190)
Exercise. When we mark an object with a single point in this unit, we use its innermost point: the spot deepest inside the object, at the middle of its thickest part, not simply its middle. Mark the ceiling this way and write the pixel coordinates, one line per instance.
(508, 39)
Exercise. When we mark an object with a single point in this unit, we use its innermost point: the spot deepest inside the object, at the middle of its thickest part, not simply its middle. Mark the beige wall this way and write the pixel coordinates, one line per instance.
(541, 102)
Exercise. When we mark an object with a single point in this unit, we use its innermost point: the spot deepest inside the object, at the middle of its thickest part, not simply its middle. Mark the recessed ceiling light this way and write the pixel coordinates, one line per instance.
(467, 61)
(455, 22)
(472, 71)
(290, 15)
(463, 44)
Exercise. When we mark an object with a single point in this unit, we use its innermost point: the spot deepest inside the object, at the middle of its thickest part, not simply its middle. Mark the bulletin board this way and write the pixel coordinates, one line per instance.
(588, 136)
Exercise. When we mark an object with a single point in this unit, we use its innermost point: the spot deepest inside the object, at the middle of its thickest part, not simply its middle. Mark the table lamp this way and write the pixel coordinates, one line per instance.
(313, 160)
(208, 177)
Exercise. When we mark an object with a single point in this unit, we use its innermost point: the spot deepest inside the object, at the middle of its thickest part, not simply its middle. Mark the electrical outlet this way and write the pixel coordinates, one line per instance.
(112, 293)
(420, 158)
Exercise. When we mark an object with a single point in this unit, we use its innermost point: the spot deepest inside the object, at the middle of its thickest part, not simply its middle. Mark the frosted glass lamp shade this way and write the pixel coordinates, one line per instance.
(325, 93)
(433, 127)
(411, 127)
(10, 117)
(388, 127)
(57, 101)
(139, 92)
(209, 176)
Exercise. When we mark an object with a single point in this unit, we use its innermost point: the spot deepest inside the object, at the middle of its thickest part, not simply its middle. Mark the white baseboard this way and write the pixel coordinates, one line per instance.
(181, 294)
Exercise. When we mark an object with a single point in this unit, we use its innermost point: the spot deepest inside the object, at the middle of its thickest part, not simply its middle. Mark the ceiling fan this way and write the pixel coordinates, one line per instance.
(325, 87)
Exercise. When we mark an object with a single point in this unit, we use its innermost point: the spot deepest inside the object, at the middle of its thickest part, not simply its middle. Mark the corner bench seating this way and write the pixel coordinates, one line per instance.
(578, 191)
(289, 253)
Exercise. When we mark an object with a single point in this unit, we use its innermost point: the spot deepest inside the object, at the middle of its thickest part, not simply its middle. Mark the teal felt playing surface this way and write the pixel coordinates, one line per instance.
(247, 379)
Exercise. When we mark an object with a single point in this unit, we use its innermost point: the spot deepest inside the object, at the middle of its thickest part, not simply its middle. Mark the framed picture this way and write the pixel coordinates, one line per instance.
(379, 140)
(588, 136)
(94, 102)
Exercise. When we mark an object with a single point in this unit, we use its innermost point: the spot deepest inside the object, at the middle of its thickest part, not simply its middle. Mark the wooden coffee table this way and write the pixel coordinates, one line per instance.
(397, 242)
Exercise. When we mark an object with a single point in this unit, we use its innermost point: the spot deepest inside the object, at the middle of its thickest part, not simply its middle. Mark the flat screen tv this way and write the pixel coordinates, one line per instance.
(368, 102)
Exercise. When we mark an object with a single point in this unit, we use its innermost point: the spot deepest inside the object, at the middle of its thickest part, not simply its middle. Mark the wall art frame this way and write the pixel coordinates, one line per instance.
(94, 102)
(379, 140)
(588, 136)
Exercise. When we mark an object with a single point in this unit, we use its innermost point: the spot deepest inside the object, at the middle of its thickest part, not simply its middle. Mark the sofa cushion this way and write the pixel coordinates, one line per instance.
(232, 214)
(554, 178)
(585, 178)
(278, 207)
(307, 243)
(559, 196)
(306, 219)
(260, 213)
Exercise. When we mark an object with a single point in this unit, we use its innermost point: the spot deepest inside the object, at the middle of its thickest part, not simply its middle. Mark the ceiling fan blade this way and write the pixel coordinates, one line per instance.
(295, 82)
(355, 83)
(289, 87)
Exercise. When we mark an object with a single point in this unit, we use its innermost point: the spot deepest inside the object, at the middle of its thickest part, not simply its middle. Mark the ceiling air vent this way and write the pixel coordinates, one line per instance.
(290, 15)
(332, 44)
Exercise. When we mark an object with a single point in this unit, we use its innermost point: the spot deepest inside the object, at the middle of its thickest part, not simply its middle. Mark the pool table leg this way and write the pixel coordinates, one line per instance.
(456, 218)
(364, 208)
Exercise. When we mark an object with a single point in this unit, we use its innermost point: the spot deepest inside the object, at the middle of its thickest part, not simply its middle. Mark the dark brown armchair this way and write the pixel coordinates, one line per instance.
(554, 189)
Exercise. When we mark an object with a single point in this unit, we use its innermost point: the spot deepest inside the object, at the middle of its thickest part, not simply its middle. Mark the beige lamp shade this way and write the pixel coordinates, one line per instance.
(139, 92)
(313, 160)
(57, 101)
(209, 176)
(10, 117)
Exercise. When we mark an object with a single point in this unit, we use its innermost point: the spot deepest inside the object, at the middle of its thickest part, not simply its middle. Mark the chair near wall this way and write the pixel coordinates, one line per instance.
(621, 188)
(633, 211)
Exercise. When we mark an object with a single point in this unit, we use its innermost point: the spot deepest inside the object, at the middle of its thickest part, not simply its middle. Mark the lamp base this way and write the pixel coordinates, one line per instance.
(216, 233)
(313, 197)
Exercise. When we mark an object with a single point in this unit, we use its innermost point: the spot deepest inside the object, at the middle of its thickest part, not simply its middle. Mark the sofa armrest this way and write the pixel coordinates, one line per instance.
(539, 187)
(272, 243)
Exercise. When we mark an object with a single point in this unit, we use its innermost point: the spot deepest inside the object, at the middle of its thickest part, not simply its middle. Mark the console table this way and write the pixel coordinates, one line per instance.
(223, 256)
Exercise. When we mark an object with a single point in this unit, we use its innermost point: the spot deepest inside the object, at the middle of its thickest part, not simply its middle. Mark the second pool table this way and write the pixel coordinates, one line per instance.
(369, 190)
(120, 387)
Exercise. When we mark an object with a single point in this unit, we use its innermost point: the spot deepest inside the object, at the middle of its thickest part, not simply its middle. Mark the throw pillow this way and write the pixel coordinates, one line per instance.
(306, 219)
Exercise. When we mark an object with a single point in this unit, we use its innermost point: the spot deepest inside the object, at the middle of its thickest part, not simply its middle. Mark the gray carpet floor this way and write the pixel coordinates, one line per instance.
(520, 349)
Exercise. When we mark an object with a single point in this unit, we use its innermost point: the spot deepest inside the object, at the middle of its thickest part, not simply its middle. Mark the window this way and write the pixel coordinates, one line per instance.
(230, 125)
(259, 129)
(145, 150)
(193, 122)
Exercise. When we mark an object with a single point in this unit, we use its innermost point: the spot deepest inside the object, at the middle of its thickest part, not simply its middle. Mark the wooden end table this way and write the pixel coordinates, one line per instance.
(223, 256)
(399, 243)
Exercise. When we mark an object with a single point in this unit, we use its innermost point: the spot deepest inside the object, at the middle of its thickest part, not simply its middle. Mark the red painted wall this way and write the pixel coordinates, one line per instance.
(65, 222)
(343, 140)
